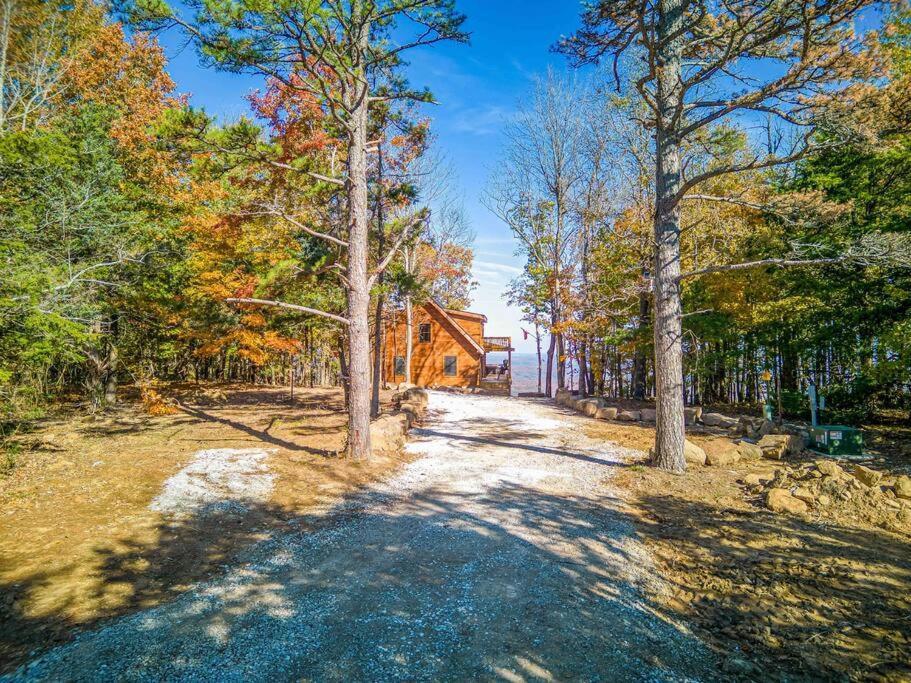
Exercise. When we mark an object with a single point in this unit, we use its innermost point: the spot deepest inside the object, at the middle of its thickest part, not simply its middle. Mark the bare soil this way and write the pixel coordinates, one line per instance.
(501, 552)
(778, 596)
(78, 540)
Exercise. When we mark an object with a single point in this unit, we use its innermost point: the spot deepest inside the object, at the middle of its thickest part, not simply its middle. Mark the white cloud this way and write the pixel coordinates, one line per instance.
(498, 267)
(486, 120)
(490, 299)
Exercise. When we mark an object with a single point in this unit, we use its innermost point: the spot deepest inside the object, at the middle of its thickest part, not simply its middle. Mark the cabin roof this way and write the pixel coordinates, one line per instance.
(466, 314)
(443, 313)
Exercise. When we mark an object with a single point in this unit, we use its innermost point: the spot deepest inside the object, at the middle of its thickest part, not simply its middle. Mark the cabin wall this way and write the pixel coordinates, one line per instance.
(471, 324)
(428, 359)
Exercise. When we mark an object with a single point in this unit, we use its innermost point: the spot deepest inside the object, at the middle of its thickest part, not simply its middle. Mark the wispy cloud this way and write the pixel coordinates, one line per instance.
(499, 267)
(527, 74)
(485, 120)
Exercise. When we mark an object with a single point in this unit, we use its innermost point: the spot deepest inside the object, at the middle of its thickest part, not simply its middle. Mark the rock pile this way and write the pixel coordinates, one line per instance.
(388, 432)
(744, 426)
(828, 490)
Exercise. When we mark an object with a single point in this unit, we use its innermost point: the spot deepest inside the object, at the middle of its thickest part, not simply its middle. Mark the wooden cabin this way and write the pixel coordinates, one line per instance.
(448, 349)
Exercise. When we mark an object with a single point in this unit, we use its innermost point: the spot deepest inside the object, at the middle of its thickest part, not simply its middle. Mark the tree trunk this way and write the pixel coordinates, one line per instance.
(358, 290)
(548, 379)
(409, 337)
(343, 370)
(110, 382)
(380, 300)
(669, 433)
(640, 358)
(6, 20)
(561, 361)
(584, 387)
(538, 344)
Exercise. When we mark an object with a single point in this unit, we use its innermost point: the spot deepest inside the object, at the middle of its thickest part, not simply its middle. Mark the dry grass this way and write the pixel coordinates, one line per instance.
(78, 542)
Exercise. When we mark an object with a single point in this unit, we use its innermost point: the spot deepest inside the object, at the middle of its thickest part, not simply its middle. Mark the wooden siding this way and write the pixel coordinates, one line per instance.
(428, 359)
(471, 323)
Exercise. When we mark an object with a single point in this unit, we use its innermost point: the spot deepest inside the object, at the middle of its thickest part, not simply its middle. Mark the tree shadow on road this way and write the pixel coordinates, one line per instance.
(515, 583)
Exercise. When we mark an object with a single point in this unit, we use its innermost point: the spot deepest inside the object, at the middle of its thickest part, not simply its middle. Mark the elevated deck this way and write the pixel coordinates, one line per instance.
(498, 344)
(497, 378)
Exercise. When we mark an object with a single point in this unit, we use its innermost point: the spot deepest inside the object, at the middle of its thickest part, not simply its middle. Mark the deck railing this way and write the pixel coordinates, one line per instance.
(494, 344)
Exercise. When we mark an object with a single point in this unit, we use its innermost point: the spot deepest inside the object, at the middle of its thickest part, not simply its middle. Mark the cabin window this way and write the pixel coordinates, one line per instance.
(450, 366)
(424, 332)
(399, 365)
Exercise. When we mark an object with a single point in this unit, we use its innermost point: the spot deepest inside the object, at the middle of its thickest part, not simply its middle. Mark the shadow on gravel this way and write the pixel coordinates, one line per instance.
(808, 601)
(134, 575)
(512, 584)
(480, 442)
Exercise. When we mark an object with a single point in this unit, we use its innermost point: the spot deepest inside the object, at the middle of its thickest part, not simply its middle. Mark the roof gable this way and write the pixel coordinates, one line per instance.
(435, 309)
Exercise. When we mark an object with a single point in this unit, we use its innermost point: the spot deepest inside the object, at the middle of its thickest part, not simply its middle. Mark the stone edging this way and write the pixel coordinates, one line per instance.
(389, 432)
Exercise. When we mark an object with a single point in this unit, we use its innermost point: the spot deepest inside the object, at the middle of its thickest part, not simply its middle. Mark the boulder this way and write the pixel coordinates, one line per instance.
(414, 412)
(412, 395)
(778, 446)
(691, 415)
(628, 416)
(780, 500)
(749, 451)
(410, 417)
(765, 427)
(387, 433)
(758, 478)
(902, 487)
(590, 406)
(804, 494)
(724, 458)
(562, 397)
(718, 420)
(744, 426)
(693, 454)
(867, 476)
(607, 413)
(829, 468)
(647, 415)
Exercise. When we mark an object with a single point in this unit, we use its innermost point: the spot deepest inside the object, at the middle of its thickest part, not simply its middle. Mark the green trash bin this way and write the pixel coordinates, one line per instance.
(836, 440)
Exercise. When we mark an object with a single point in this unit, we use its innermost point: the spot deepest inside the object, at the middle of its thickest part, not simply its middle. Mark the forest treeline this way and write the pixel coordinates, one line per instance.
(128, 218)
(792, 215)
(718, 191)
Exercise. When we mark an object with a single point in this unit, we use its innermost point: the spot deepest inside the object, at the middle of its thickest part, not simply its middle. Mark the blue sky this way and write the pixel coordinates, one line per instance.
(478, 87)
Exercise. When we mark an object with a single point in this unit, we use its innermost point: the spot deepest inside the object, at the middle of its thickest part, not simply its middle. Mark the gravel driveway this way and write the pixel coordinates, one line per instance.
(499, 554)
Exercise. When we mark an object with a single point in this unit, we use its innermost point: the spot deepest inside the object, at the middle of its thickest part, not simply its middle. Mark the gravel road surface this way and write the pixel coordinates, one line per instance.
(498, 554)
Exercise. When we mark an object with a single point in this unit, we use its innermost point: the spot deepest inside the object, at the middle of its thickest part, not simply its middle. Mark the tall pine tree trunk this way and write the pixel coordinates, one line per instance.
(358, 290)
(669, 434)
(584, 387)
(548, 379)
(380, 299)
(409, 337)
(561, 361)
(640, 360)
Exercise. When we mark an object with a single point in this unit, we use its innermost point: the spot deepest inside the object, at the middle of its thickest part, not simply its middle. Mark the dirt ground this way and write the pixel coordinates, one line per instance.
(78, 540)
(778, 596)
(500, 552)
(500, 494)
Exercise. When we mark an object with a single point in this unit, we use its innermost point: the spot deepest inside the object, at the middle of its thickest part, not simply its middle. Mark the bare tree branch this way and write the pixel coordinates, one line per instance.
(293, 307)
